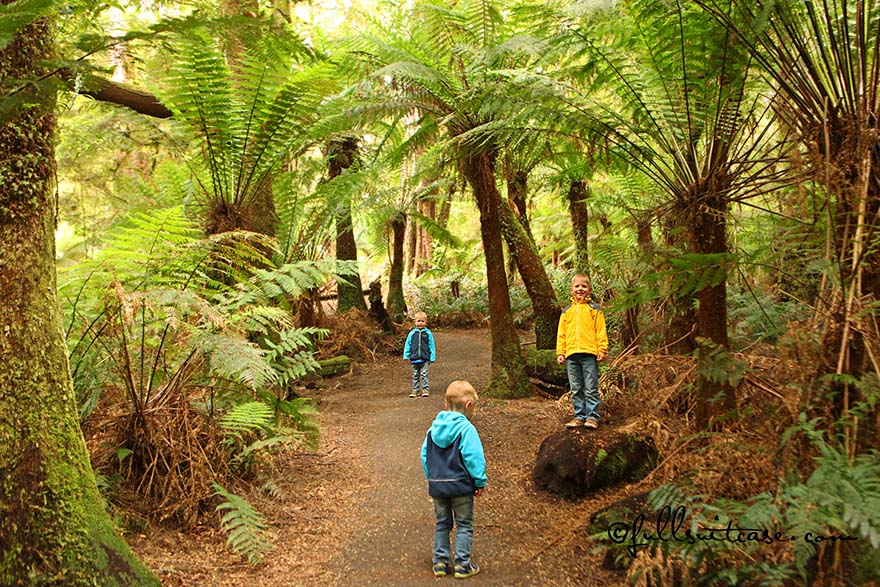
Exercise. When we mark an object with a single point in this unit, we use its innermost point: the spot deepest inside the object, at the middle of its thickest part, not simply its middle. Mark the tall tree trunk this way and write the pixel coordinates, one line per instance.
(578, 192)
(409, 240)
(509, 378)
(428, 208)
(396, 302)
(534, 275)
(517, 195)
(709, 237)
(54, 529)
(341, 154)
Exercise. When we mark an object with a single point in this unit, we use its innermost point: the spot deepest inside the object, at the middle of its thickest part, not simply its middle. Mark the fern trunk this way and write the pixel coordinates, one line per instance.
(517, 192)
(396, 301)
(342, 154)
(509, 377)
(54, 529)
(709, 237)
(578, 192)
(534, 276)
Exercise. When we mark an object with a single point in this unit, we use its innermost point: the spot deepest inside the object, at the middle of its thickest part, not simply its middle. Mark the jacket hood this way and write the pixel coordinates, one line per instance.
(446, 427)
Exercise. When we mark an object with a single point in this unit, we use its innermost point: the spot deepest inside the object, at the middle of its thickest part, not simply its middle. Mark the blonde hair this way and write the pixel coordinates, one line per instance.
(420, 315)
(582, 275)
(458, 394)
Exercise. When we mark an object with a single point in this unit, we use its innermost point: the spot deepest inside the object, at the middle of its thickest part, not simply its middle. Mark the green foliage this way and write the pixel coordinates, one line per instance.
(759, 315)
(16, 15)
(166, 324)
(246, 529)
(247, 119)
(471, 307)
(840, 498)
(718, 365)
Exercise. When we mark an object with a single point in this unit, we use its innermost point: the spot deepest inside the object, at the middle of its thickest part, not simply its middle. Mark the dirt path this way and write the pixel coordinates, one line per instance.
(391, 530)
(357, 512)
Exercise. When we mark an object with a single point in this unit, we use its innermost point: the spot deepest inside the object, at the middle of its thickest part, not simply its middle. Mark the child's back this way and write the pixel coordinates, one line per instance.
(455, 467)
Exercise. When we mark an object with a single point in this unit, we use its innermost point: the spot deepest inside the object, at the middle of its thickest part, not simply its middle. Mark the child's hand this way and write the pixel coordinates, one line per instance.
(601, 356)
(560, 359)
(479, 491)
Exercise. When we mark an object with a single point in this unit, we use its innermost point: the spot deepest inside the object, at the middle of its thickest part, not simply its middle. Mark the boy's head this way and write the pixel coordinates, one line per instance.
(581, 288)
(420, 319)
(461, 397)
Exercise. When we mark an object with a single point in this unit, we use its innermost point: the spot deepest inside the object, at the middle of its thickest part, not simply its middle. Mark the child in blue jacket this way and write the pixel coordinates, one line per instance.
(455, 467)
(420, 352)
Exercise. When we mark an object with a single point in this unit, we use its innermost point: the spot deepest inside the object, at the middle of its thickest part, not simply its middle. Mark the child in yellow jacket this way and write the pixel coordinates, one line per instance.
(581, 341)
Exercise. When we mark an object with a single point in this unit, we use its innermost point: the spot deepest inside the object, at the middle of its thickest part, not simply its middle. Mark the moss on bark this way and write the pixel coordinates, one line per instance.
(54, 529)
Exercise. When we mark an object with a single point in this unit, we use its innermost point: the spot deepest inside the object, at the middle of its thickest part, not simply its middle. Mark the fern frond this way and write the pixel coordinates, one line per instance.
(246, 528)
(253, 417)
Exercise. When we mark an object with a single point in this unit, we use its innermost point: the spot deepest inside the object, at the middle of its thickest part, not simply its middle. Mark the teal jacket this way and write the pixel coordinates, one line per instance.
(439, 467)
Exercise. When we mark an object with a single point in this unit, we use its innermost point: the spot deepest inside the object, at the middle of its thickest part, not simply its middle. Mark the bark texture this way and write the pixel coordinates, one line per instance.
(396, 302)
(509, 377)
(578, 192)
(534, 276)
(54, 529)
(341, 154)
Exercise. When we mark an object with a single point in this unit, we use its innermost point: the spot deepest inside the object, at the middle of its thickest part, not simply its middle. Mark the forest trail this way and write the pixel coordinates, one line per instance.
(357, 512)
(390, 532)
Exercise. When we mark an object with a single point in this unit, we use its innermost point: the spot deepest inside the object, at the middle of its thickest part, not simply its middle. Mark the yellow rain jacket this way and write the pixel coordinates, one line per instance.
(581, 330)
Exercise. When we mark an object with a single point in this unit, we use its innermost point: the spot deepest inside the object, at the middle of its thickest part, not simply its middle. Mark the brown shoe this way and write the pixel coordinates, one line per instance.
(591, 423)
(576, 423)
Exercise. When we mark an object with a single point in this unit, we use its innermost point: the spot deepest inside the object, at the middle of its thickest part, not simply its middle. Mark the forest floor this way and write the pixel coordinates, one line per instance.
(357, 512)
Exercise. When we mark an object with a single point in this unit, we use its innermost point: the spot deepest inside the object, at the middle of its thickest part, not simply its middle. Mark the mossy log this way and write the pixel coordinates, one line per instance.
(334, 365)
(572, 463)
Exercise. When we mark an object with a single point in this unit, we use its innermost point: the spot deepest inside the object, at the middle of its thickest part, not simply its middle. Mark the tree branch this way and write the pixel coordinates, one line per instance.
(105, 90)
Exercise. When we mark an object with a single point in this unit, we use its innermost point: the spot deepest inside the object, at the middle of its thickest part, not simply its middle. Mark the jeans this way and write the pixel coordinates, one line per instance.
(583, 378)
(461, 511)
(420, 375)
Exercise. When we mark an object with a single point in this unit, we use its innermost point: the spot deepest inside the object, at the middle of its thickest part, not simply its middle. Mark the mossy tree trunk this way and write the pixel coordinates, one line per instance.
(396, 302)
(534, 276)
(509, 377)
(341, 155)
(578, 192)
(54, 529)
(517, 195)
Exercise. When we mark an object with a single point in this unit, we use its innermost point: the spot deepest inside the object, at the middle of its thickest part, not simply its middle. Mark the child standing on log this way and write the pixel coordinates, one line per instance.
(420, 352)
(582, 341)
(455, 467)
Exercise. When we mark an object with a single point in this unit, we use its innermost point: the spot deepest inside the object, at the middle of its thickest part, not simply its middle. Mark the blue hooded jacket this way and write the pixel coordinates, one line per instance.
(420, 346)
(452, 456)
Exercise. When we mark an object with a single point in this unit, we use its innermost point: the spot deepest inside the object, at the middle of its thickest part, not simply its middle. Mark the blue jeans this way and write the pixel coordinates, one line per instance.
(461, 511)
(583, 378)
(420, 376)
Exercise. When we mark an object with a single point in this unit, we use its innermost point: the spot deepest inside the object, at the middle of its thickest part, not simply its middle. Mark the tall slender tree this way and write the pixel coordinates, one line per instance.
(676, 103)
(443, 71)
(54, 529)
(823, 59)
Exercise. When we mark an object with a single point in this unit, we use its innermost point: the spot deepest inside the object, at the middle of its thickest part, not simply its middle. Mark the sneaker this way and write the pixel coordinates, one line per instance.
(413, 394)
(425, 393)
(465, 572)
(591, 423)
(576, 423)
(441, 569)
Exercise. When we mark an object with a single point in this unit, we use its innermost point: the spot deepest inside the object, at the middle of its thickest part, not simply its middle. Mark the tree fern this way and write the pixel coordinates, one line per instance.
(246, 528)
